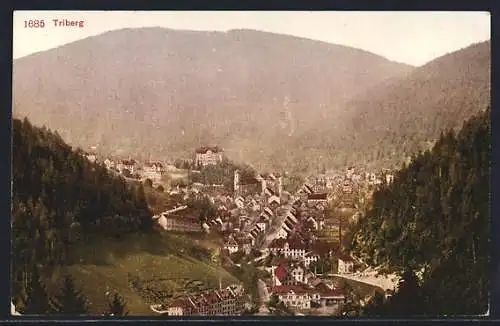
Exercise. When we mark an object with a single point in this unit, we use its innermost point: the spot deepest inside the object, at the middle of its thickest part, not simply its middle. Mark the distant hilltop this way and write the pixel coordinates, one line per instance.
(274, 100)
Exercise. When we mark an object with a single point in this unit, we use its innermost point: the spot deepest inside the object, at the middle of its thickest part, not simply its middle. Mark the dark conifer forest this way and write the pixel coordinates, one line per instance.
(58, 199)
(434, 220)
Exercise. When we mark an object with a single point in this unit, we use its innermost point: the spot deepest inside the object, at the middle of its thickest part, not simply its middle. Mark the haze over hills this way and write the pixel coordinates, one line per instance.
(160, 92)
(396, 118)
(271, 100)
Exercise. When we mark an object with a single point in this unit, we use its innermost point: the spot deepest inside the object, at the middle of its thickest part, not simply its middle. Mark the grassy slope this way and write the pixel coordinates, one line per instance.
(162, 263)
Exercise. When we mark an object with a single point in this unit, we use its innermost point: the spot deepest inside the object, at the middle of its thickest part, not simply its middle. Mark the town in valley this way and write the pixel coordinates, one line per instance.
(178, 164)
(292, 238)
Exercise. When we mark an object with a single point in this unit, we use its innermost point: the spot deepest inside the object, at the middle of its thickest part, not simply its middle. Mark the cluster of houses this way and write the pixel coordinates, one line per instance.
(331, 179)
(132, 168)
(297, 282)
(260, 215)
(259, 211)
(307, 296)
(220, 302)
(154, 170)
(346, 188)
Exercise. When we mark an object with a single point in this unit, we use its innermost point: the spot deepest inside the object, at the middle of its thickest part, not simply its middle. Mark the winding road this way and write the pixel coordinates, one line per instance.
(385, 282)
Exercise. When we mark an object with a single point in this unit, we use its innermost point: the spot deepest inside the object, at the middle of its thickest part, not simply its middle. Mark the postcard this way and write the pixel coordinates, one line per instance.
(251, 163)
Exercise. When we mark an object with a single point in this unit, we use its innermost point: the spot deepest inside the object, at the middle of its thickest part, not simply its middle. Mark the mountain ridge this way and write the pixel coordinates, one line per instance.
(270, 100)
(402, 115)
(229, 31)
(196, 86)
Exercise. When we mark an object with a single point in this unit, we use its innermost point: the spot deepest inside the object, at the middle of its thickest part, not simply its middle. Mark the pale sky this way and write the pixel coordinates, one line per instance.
(409, 37)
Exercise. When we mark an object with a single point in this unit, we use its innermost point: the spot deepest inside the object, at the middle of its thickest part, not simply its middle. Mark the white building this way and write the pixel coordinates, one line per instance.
(294, 296)
(262, 225)
(130, 165)
(240, 202)
(345, 265)
(309, 258)
(294, 250)
(231, 246)
(109, 164)
(282, 234)
(91, 157)
(298, 274)
(208, 156)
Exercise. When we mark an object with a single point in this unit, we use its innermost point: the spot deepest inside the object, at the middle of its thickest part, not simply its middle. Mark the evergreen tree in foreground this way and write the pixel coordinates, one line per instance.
(117, 306)
(38, 301)
(435, 218)
(406, 301)
(70, 301)
(376, 307)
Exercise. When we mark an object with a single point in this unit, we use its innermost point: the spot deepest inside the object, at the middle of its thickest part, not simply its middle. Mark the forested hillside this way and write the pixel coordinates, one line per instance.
(392, 121)
(435, 217)
(161, 92)
(59, 198)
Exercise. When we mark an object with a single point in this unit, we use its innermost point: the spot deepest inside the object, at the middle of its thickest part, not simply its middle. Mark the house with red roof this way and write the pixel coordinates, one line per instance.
(228, 301)
(279, 274)
(294, 296)
(181, 307)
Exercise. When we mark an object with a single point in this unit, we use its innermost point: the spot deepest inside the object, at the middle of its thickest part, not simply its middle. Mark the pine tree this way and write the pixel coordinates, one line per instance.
(406, 301)
(38, 301)
(376, 306)
(70, 301)
(435, 215)
(117, 306)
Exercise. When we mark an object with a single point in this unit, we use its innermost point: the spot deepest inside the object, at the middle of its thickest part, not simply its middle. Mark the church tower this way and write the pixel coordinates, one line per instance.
(236, 183)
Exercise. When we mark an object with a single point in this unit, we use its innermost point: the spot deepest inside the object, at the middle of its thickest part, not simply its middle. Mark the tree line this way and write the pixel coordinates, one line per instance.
(59, 198)
(432, 224)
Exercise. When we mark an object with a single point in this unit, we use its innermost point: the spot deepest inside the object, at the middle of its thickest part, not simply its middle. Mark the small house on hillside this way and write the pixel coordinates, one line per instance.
(127, 165)
(91, 157)
(345, 264)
